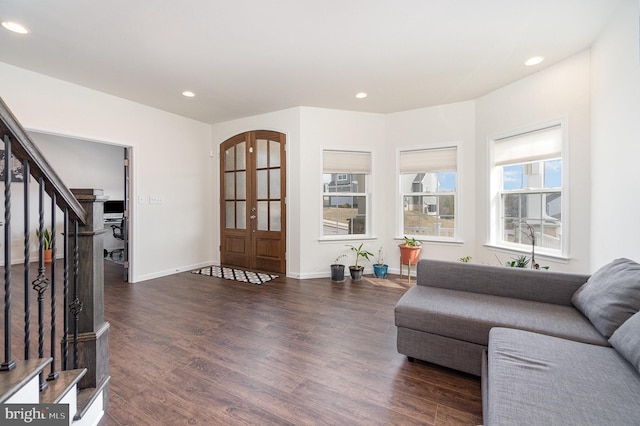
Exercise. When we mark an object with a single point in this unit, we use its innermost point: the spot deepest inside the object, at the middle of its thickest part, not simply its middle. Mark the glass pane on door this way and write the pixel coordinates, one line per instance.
(241, 156)
(261, 157)
(263, 216)
(262, 184)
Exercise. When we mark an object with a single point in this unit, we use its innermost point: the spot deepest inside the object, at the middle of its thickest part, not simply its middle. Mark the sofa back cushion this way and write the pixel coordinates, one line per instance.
(626, 340)
(610, 296)
(519, 283)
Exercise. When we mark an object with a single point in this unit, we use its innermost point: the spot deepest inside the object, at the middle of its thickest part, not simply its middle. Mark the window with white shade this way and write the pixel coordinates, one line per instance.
(428, 190)
(345, 196)
(527, 190)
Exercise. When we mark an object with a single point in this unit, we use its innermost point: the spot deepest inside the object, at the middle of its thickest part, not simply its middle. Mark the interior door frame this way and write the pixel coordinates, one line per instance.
(245, 247)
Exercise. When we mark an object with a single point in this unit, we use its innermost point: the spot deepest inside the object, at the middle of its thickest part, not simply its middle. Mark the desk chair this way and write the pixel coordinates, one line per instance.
(118, 235)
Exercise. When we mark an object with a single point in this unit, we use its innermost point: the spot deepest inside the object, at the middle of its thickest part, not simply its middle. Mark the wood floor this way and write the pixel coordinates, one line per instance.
(195, 350)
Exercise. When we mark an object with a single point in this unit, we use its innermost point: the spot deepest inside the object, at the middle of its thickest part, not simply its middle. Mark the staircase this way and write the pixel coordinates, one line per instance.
(57, 322)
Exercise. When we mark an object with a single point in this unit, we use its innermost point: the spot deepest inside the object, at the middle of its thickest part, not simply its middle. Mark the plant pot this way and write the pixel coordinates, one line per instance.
(409, 255)
(380, 271)
(48, 253)
(356, 273)
(337, 273)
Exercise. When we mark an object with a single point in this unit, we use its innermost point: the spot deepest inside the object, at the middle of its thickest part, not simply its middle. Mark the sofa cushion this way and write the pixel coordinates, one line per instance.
(610, 296)
(469, 316)
(543, 380)
(626, 340)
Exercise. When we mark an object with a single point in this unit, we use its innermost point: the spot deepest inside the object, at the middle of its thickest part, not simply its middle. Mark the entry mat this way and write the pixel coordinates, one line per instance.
(236, 274)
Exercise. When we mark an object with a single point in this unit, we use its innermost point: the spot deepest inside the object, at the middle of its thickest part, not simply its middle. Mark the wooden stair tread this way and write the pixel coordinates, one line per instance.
(58, 388)
(14, 380)
(87, 396)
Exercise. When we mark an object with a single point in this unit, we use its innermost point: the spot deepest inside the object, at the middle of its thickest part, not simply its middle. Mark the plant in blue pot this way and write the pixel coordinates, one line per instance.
(380, 268)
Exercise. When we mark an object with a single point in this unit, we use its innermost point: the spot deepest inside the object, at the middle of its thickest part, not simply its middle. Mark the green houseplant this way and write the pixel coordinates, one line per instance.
(47, 239)
(356, 271)
(410, 251)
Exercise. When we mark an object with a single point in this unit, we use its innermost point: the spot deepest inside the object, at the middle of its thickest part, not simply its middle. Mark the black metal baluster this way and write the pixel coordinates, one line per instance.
(27, 258)
(41, 283)
(76, 306)
(53, 374)
(65, 284)
(8, 363)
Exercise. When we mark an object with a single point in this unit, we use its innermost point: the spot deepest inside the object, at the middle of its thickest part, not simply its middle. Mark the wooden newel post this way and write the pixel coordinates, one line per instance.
(93, 339)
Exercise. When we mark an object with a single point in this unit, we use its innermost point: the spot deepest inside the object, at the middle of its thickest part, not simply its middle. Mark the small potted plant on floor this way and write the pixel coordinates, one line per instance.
(410, 251)
(46, 238)
(337, 269)
(355, 270)
(380, 268)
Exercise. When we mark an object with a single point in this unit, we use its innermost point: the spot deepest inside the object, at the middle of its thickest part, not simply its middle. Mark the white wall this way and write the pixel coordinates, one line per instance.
(424, 128)
(102, 164)
(558, 92)
(170, 159)
(615, 146)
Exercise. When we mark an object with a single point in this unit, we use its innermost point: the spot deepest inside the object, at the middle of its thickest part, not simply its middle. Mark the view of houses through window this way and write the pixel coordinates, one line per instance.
(428, 181)
(344, 192)
(529, 169)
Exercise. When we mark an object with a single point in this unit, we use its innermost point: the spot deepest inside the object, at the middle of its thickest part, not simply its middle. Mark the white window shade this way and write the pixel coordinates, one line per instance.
(346, 162)
(539, 145)
(428, 160)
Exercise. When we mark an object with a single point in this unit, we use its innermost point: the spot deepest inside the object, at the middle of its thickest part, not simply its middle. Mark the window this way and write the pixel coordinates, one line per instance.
(527, 184)
(428, 181)
(344, 192)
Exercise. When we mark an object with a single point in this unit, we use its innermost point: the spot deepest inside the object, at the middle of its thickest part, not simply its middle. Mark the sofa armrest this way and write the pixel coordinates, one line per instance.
(527, 284)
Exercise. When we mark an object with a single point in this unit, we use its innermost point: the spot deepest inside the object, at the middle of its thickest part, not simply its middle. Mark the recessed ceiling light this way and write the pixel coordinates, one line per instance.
(534, 61)
(361, 95)
(188, 94)
(15, 27)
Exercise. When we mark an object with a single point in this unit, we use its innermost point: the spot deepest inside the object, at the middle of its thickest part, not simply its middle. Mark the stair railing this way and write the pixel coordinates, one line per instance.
(18, 145)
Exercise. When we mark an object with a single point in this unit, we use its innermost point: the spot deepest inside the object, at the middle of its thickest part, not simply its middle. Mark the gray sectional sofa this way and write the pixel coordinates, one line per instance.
(552, 348)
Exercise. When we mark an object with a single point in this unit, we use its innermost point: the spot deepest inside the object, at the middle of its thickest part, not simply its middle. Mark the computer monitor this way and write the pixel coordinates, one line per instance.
(114, 207)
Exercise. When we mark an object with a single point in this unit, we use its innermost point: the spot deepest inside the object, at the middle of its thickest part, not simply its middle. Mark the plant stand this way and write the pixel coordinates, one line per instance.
(408, 269)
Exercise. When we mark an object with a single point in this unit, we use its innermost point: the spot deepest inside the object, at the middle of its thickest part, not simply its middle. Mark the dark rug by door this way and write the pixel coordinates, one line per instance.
(236, 274)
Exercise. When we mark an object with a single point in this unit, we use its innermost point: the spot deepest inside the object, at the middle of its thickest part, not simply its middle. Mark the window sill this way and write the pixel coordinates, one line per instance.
(347, 238)
(433, 241)
(539, 255)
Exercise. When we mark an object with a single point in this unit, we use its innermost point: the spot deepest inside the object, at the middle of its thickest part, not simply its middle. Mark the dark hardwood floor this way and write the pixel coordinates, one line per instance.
(195, 350)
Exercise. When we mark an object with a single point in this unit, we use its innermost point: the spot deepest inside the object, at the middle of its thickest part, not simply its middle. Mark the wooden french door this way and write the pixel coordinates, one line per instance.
(252, 201)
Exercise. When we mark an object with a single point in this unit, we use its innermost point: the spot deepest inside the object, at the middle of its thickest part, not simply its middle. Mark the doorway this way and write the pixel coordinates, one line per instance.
(107, 166)
(253, 210)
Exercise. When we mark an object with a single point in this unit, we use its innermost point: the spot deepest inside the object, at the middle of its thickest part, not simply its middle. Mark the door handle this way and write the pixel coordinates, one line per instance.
(253, 216)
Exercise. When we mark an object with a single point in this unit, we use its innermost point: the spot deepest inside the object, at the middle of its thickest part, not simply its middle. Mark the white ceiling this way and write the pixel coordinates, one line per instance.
(246, 57)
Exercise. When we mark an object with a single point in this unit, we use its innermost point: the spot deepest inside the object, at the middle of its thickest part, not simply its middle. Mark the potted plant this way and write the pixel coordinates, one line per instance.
(518, 262)
(355, 270)
(410, 251)
(46, 238)
(380, 268)
(337, 269)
